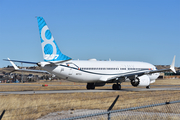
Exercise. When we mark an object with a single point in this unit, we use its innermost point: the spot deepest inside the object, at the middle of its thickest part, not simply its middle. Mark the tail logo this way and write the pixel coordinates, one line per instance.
(48, 45)
(50, 50)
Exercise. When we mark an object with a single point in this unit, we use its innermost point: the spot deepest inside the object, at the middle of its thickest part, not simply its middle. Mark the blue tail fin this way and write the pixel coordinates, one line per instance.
(50, 49)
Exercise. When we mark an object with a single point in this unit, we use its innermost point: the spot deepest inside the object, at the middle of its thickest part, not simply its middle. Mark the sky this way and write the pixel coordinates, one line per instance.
(120, 30)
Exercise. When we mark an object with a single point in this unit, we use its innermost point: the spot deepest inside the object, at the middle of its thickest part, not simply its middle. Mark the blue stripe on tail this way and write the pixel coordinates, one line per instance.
(50, 49)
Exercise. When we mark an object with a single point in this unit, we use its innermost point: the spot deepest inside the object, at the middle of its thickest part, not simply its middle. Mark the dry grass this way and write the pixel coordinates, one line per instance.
(57, 85)
(37, 105)
(167, 82)
(61, 85)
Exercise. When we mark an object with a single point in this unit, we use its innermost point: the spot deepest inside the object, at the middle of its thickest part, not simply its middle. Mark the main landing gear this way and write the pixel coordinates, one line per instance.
(116, 87)
(148, 87)
(90, 86)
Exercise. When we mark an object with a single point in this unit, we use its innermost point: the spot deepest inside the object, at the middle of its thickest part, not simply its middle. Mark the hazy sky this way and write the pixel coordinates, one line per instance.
(131, 30)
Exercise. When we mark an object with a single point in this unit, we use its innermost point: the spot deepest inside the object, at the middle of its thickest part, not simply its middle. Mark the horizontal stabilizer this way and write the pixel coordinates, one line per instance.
(32, 71)
(21, 61)
(24, 70)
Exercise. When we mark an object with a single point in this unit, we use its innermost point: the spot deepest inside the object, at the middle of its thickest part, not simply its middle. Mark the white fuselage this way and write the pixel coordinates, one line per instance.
(93, 71)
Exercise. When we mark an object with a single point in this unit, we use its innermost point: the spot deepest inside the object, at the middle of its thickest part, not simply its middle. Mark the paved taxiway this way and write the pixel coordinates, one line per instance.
(82, 91)
(20, 84)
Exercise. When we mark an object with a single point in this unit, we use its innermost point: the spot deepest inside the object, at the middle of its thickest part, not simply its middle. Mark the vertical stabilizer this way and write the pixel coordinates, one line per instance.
(50, 50)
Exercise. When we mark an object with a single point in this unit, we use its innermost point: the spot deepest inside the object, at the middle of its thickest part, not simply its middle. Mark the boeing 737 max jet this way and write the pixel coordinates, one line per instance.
(93, 72)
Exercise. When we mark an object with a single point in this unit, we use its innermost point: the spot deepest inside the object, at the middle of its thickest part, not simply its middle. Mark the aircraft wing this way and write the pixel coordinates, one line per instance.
(138, 73)
(26, 70)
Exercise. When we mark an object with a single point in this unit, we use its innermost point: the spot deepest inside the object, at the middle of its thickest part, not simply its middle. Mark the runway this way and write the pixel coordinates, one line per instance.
(86, 91)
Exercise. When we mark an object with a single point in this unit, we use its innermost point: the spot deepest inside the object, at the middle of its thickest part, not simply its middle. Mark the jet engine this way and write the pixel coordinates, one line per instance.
(141, 81)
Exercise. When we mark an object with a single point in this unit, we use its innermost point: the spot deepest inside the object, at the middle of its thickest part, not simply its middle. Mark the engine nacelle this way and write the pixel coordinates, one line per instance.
(141, 81)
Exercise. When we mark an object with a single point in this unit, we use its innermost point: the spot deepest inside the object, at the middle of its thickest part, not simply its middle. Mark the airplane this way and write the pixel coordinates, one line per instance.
(93, 72)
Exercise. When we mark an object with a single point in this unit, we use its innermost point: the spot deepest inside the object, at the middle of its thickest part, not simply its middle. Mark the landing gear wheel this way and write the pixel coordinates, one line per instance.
(148, 87)
(90, 86)
(116, 87)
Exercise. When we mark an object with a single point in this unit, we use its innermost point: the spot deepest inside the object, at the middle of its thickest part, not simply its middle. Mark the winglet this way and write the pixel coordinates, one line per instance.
(15, 67)
(172, 65)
